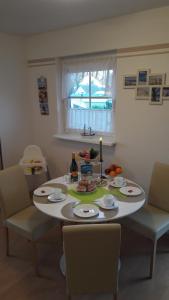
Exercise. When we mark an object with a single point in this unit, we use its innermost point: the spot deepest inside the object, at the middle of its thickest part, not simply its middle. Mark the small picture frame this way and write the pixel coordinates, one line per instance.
(43, 95)
(156, 95)
(142, 77)
(165, 93)
(44, 109)
(129, 81)
(142, 92)
(156, 79)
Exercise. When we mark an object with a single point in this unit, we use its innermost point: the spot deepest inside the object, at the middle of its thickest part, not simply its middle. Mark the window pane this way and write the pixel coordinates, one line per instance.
(101, 83)
(80, 103)
(79, 84)
(98, 103)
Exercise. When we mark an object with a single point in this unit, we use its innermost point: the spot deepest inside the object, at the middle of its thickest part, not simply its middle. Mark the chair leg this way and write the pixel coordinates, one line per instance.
(115, 296)
(7, 240)
(68, 297)
(153, 258)
(35, 257)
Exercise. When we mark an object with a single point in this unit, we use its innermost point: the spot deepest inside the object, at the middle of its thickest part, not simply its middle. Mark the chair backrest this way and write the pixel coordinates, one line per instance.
(92, 257)
(159, 186)
(33, 152)
(14, 194)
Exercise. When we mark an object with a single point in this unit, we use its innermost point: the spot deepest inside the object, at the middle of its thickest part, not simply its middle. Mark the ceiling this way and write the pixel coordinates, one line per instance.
(35, 16)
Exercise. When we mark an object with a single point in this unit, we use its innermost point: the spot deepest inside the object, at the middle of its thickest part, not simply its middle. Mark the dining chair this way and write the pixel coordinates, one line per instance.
(152, 220)
(18, 213)
(92, 258)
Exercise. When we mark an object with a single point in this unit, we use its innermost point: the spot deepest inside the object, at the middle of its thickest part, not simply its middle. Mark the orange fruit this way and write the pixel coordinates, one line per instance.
(118, 170)
(112, 167)
(112, 173)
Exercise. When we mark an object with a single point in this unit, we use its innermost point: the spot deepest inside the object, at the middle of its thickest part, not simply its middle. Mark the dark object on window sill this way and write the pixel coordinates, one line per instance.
(87, 134)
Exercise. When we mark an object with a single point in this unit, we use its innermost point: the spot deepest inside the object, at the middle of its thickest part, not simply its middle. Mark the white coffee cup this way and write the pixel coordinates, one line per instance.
(119, 180)
(108, 200)
(57, 193)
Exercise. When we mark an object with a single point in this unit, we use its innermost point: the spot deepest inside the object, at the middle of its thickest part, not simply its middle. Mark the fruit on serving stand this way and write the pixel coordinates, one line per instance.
(88, 154)
(85, 185)
(113, 170)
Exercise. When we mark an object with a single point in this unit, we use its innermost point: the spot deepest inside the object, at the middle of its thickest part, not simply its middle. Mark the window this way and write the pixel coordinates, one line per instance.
(88, 93)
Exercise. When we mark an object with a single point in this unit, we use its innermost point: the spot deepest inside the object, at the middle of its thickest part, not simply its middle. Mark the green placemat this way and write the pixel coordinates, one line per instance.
(116, 193)
(98, 193)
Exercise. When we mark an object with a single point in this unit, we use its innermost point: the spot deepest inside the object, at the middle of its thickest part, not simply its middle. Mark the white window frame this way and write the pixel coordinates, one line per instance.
(65, 104)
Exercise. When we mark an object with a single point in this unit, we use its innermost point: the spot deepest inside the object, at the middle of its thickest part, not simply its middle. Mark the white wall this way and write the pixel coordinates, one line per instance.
(144, 28)
(15, 125)
(141, 128)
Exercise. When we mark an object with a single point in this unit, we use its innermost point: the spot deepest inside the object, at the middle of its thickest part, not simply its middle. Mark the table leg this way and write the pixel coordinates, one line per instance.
(62, 265)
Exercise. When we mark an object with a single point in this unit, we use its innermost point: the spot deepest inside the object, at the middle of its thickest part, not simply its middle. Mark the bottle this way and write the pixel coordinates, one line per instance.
(74, 169)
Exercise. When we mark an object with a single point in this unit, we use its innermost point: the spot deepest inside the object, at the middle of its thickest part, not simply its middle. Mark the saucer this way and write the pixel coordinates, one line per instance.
(101, 204)
(54, 198)
(114, 184)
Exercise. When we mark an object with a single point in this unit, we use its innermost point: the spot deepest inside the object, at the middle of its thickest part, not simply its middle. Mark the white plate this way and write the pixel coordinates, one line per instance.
(44, 191)
(53, 198)
(114, 184)
(102, 205)
(86, 210)
(130, 191)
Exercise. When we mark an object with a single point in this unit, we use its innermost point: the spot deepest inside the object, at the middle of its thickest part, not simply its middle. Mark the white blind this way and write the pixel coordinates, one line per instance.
(101, 120)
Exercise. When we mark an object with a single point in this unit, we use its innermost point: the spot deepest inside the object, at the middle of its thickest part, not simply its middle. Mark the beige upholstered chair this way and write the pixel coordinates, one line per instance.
(18, 213)
(92, 257)
(152, 221)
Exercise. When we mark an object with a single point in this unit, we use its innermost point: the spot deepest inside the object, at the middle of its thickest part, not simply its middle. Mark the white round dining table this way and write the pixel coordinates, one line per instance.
(126, 206)
(64, 210)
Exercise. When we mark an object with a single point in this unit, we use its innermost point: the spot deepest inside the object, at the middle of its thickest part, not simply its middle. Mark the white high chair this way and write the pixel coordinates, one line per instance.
(33, 161)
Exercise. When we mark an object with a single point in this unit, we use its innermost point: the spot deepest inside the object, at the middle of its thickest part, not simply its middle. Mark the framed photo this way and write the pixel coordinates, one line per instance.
(142, 77)
(43, 95)
(156, 95)
(165, 93)
(129, 81)
(44, 109)
(143, 92)
(157, 79)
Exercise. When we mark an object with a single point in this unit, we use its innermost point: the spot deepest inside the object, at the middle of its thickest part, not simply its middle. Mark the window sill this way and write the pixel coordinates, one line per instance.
(107, 140)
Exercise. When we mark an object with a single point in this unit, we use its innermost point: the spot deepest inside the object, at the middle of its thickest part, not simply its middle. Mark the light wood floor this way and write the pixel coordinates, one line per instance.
(17, 279)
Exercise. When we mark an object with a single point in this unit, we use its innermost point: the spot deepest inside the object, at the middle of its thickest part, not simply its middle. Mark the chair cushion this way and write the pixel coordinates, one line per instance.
(150, 221)
(30, 223)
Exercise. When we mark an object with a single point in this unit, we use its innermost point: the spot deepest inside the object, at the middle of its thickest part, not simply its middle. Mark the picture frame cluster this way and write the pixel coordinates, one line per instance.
(43, 95)
(148, 86)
